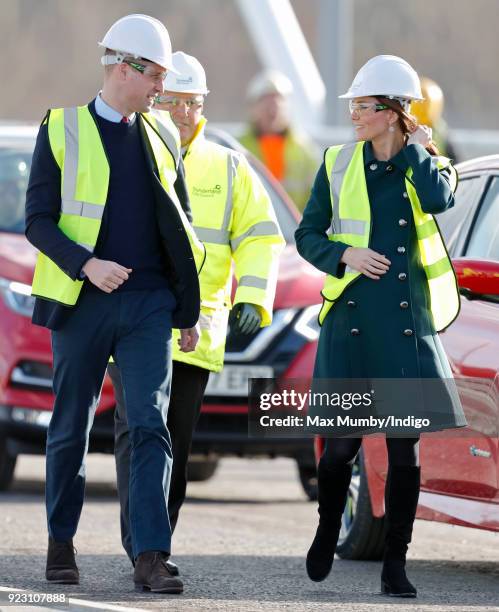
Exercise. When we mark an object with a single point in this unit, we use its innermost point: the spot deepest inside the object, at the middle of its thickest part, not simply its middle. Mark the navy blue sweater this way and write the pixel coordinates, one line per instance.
(131, 234)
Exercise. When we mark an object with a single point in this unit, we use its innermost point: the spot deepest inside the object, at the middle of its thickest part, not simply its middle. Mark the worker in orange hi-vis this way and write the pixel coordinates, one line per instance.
(287, 153)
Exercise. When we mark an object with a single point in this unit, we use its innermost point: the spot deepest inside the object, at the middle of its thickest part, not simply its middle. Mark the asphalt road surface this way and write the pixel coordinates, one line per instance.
(240, 543)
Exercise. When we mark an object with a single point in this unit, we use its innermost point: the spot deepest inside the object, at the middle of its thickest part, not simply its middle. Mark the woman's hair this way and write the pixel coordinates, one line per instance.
(407, 122)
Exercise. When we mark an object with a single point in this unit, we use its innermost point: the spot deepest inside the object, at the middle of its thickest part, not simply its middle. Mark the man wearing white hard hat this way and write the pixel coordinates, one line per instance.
(118, 268)
(389, 289)
(233, 216)
(287, 153)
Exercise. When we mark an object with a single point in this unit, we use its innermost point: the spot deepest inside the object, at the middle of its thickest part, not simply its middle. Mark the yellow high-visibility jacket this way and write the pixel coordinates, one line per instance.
(79, 152)
(234, 218)
(351, 224)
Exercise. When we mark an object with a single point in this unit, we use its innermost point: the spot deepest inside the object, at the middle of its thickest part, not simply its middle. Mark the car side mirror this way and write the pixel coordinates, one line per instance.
(478, 279)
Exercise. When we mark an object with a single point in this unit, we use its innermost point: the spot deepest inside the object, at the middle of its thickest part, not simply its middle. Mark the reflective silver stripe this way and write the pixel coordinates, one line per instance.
(264, 228)
(349, 270)
(82, 209)
(69, 205)
(352, 226)
(232, 164)
(205, 320)
(252, 281)
(215, 236)
(169, 139)
(71, 153)
(89, 247)
(221, 236)
(338, 171)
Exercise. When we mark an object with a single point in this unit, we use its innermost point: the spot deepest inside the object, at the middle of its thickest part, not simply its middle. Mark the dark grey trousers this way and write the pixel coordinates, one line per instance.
(186, 397)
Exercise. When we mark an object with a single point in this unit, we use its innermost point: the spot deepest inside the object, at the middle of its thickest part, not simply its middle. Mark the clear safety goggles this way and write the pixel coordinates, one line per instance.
(365, 108)
(175, 102)
(148, 71)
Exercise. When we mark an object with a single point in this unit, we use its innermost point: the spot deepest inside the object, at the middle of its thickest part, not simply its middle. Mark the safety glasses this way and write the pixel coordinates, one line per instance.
(174, 102)
(148, 71)
(365, 108)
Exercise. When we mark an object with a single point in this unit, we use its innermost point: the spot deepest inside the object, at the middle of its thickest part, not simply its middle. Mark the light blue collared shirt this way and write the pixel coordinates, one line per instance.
(108, 112)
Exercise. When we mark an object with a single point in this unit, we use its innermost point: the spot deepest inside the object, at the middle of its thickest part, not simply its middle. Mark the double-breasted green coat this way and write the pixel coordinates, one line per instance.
(383, 329)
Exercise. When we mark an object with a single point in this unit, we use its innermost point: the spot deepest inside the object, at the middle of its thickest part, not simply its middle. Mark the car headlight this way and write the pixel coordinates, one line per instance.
(31, 416)
(17, 296)
(307, 323)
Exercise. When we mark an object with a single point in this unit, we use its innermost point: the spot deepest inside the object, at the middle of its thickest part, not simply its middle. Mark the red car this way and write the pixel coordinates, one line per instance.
(460, 473)
(26, 397)
(460, 478)
(287, 347)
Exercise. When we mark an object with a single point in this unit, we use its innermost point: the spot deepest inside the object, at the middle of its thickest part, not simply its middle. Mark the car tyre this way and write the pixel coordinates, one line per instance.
(7, 466)
(362, 534)
(199, 471)
(308, 479)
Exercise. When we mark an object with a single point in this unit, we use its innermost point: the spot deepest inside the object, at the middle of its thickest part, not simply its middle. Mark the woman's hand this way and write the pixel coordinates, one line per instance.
(421, 135)
(366, 261)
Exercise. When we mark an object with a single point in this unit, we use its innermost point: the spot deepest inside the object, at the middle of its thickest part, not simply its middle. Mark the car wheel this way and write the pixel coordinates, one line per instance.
(362, 534)
(308, 479)
(198, 471)
(7, 466)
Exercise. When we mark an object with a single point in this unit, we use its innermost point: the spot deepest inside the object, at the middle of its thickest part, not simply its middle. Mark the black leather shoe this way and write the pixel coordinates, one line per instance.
(173, 567)
(394, 581)
(61, 565)
(152, 574)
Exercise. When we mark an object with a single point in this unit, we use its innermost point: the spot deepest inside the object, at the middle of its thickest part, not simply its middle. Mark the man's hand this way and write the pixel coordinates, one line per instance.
(106, 275)
(367, 261)
(188, 339)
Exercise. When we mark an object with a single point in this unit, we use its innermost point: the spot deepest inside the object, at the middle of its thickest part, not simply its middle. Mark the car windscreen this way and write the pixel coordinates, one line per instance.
(286, 220)
(453, 220)
(14, 173)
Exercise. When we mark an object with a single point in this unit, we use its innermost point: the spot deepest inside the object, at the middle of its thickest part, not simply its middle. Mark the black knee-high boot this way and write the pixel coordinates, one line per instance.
(401, 501)
(333, 483)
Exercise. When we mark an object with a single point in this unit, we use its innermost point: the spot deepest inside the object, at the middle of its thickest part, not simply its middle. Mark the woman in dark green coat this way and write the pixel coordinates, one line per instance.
(389, 288)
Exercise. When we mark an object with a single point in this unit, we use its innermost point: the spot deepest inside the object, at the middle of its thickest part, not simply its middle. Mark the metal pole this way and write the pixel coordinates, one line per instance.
(335, 59)
(280, 44)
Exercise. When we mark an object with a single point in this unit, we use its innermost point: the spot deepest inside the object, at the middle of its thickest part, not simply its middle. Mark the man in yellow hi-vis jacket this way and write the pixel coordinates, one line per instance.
(233, 216)
(117, 270)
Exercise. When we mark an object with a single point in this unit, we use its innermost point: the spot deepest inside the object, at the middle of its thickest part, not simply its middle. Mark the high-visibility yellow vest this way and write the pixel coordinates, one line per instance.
(300, 164)
(351, 224)
(79, 152)
(234, 218)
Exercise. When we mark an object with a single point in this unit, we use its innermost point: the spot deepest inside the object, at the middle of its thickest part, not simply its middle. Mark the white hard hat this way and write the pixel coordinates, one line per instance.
(386, 75)
(140, 36)
(190, 76)
(269, 82)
